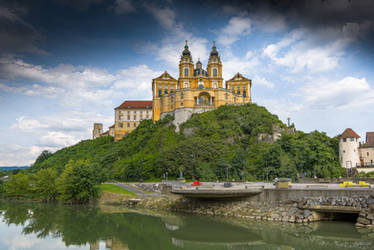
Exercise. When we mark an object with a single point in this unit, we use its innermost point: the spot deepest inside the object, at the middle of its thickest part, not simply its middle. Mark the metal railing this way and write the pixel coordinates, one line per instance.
(365, 165)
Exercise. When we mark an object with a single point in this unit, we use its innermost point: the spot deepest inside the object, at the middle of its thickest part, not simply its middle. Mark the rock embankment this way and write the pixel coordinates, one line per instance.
(366, 217)
(351, 201)
(237, 209)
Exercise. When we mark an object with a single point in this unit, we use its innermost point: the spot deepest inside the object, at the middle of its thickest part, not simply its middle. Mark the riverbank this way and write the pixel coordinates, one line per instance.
(357, 208)
(235, 209)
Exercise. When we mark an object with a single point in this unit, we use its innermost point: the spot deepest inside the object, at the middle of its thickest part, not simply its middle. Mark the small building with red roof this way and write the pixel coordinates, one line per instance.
(348, 149)
(128, 116)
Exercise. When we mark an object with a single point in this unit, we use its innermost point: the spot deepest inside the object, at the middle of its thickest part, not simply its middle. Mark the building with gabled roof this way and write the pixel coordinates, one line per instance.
(348, 149)
(197, 89)
(353, 154)
(128, 116)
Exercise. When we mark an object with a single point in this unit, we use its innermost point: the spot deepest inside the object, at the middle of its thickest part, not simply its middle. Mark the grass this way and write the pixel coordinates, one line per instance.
(114, 189)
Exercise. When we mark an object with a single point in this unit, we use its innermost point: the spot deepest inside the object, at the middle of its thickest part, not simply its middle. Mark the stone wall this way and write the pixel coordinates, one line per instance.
(300, 211)
(181, 115)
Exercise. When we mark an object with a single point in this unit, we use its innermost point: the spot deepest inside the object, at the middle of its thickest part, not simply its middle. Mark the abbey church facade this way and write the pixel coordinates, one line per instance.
(196, 90)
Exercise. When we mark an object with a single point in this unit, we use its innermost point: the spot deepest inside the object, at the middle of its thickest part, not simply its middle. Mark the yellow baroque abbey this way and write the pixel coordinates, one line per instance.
(196, 90)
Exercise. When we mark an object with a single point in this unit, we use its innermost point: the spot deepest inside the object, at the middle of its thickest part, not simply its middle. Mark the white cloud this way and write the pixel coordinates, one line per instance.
(283, 108)
(123, 7)
(27, 125)
(245, 65)
(299, 52)
(58, 139)
(259, 80)
(238, 26)
(346, 93)
(75, 85)
(172, 45)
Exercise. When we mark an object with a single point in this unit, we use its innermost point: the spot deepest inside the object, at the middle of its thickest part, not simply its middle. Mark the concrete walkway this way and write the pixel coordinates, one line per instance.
(130, 188)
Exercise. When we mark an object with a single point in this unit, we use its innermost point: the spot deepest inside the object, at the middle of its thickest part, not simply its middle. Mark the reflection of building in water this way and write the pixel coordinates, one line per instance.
(109, 244)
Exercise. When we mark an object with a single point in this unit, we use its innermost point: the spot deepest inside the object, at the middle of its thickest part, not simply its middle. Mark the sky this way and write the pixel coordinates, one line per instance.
(65, 64)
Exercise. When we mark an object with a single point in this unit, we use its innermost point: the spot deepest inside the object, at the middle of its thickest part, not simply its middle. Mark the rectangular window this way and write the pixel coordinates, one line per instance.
(134, 124)
(352, 139)
(182, 96)
(128, 124)
(344, 139)
(159, 92)
(238, 90)
(233, 89)
(244, 93)
(120, 124)
(134, 117)
(128, 117)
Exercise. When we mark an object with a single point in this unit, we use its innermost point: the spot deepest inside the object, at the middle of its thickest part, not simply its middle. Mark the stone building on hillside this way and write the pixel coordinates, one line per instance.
(128, 115)
(197, 89)
(354, 154)
(367, 151)
(97, 130)
(348, 148)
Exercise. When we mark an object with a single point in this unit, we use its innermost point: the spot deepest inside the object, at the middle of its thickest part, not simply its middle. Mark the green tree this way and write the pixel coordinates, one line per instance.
(44, 184)
(77, 183)
(18, 185)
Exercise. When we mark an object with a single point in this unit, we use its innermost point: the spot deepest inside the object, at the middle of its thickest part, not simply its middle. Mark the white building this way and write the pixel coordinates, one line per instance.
(353, 154)
(348, 149)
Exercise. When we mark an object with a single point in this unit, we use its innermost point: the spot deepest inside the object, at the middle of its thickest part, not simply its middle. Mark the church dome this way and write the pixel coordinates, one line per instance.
(186, 52)
(214, 51)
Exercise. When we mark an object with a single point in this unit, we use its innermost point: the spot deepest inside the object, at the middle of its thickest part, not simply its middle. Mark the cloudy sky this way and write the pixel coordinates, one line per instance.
(65, 64)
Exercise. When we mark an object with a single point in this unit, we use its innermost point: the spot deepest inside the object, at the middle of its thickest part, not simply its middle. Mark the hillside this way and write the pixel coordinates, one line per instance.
(204, 146)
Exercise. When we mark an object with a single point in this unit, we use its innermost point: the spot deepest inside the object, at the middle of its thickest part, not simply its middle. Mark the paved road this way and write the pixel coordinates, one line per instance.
(129, 188)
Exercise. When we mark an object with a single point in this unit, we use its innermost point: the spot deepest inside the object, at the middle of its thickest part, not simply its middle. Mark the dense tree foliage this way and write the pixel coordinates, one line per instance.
(77, 183)
(204, 147)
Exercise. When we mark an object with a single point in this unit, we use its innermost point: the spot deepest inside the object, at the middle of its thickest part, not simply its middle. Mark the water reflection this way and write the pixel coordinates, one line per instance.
(92, 228)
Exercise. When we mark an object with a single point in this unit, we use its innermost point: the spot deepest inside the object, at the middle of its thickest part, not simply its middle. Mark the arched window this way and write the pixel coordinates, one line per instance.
(215, 72)
(186, 72)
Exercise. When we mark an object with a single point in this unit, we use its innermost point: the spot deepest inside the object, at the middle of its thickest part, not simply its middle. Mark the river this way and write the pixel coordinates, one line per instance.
(51, 226)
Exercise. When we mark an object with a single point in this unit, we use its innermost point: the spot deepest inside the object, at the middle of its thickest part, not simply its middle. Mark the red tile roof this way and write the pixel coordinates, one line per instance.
(349, 133)
(370, 138)
(135, 105)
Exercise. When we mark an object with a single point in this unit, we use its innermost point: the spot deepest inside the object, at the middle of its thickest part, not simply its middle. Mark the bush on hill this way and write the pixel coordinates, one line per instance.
(203, 148)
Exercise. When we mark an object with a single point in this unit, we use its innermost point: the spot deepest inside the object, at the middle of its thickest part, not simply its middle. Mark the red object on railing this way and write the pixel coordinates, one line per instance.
(196, 183)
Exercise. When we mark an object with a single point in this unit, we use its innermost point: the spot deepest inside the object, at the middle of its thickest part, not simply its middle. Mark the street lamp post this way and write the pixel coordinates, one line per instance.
(227, 183)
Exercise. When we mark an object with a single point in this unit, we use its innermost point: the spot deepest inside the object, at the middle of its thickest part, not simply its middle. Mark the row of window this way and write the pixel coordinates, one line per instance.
(367, 153)
(128, 124)
(186, 72)
(351, 139)
(135, 114)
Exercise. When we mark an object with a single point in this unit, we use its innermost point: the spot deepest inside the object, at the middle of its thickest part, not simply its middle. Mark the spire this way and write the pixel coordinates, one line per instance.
(214, 51)
(186, 52)
(199, 64)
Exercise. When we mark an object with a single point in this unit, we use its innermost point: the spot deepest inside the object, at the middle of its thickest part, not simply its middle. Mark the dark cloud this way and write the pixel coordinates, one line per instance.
(351, 17)
(79, 4)
(16, 35)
